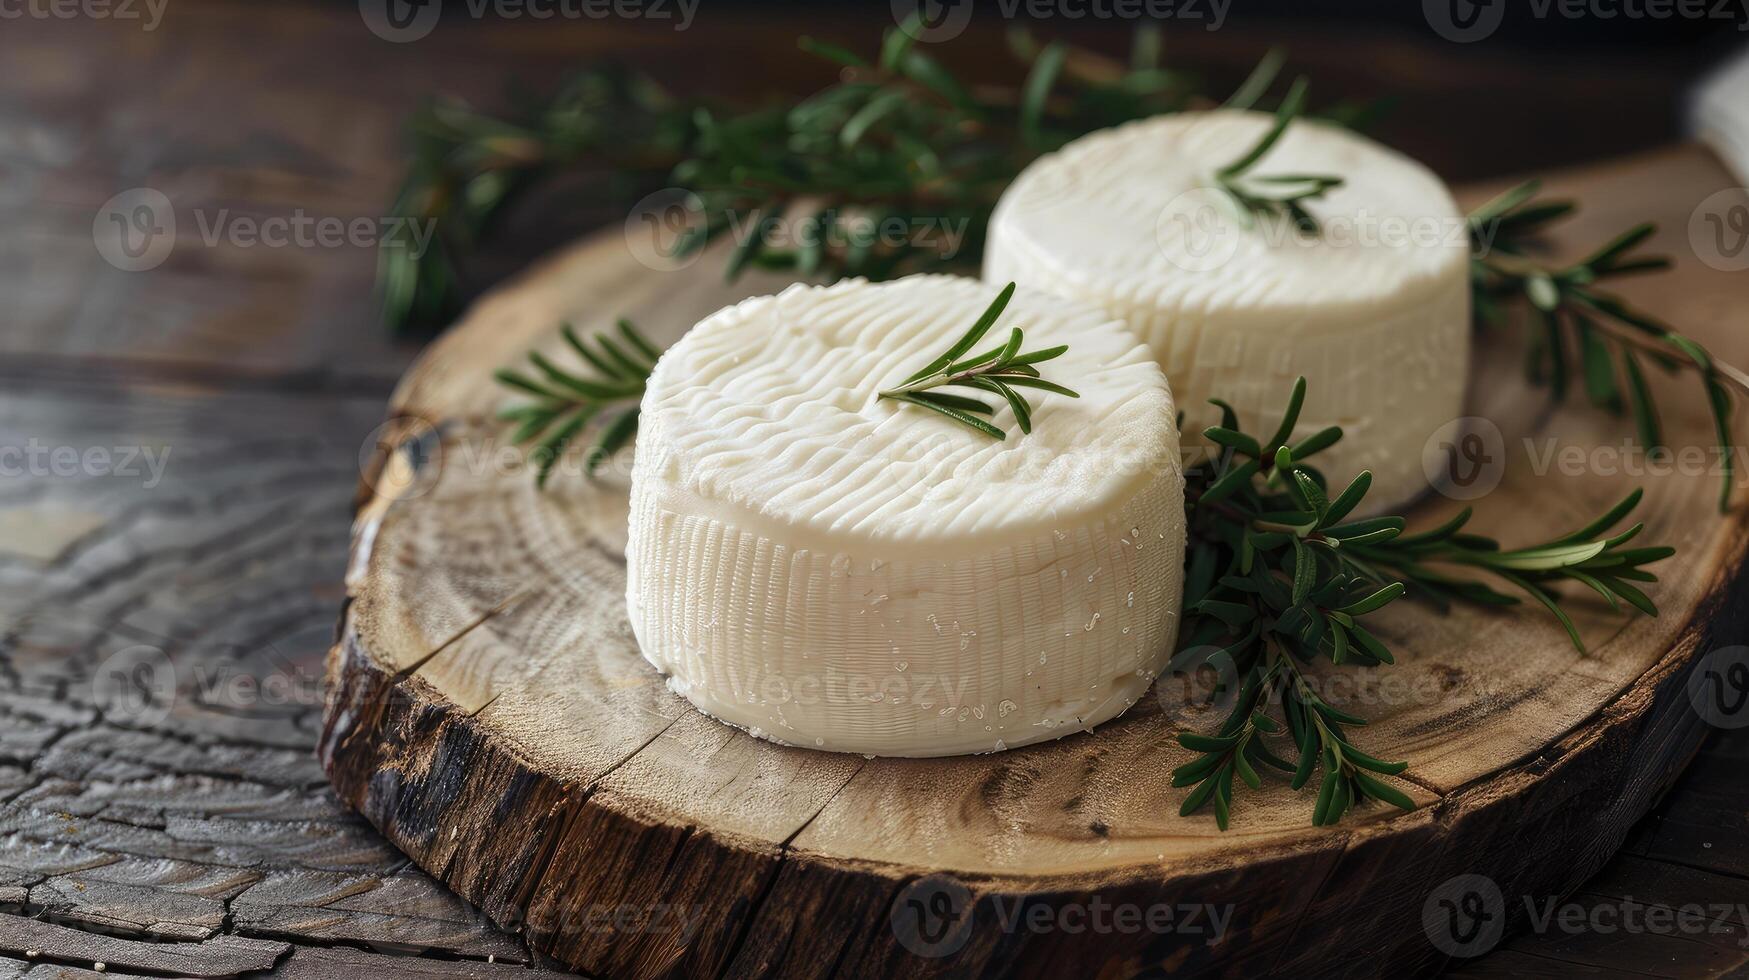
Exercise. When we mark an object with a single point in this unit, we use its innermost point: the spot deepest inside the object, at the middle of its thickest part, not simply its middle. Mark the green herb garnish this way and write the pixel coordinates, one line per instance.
(998, 371)
(1582, 330)
(568, 401)
(1281, 194)
(896, 138)
(1279, 576)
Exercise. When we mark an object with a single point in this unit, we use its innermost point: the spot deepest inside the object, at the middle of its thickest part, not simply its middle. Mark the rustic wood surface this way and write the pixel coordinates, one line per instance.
(206, 842)
(485, 681)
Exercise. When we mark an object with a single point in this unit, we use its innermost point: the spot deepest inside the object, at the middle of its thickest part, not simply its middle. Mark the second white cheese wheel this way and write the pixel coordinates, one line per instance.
(834, 570)
(1373, 310)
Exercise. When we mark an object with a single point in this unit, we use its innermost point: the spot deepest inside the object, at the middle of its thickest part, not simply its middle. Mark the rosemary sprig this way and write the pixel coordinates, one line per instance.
(896, 137)
(998, 371)
(1583, 330)
(900, 141)
(1278, 576)
(1281, 194)
(568, 401)
(468, 167)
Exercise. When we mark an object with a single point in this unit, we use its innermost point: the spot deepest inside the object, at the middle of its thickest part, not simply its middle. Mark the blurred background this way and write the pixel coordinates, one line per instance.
(266, 109)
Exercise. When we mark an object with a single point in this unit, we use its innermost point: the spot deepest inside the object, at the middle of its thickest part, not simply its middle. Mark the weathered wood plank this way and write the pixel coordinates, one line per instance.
(339, 963)
(200, 813)
(406, 911)
(223, 956)
(1703, 823)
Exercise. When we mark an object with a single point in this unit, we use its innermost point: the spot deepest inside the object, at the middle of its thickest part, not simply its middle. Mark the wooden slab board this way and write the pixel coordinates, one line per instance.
(487, 708)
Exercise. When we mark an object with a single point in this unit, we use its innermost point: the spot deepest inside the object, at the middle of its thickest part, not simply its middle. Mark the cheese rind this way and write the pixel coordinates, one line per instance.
(834, 570)
(1373, 311)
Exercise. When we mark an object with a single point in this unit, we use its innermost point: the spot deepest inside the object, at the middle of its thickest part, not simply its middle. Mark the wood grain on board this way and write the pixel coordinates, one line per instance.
(490, 713)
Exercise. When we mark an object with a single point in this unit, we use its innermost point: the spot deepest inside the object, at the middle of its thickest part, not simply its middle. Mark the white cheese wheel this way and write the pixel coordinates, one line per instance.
(829, 569)
(1373, 311)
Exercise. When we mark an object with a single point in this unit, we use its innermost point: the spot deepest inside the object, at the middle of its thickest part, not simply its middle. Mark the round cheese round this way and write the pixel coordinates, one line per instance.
(828, 568)
(1372, 308)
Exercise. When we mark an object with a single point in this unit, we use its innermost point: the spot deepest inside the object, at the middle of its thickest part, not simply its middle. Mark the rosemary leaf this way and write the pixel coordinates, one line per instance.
(569, 401)
(893, 134)
(999, 371)
(1278, 577)
(957, 415)
(1277, 196)
(1258, 82)
(1606, 333)
(1038, 89)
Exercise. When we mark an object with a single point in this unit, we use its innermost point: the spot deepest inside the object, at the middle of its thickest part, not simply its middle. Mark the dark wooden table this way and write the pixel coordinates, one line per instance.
(179, 448)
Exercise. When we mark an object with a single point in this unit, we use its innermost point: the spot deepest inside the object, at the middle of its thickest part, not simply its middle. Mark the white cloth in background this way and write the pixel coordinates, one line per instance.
(1719, 113)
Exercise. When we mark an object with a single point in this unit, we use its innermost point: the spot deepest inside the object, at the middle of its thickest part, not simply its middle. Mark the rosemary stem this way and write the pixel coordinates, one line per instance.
(935, 381)
(1635, 338)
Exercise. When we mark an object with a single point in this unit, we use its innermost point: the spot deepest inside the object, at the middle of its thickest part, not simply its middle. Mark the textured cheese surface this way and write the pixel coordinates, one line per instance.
(829, 569)
(1374, 310)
